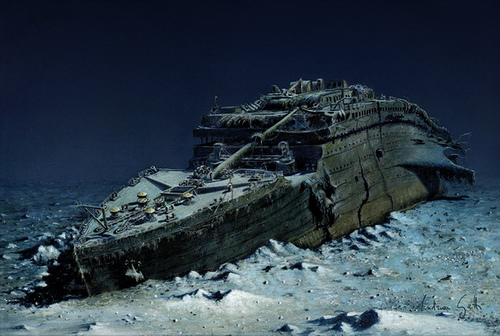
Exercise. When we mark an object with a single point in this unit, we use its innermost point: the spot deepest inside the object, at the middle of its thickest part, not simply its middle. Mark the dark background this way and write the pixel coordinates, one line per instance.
(99, 90)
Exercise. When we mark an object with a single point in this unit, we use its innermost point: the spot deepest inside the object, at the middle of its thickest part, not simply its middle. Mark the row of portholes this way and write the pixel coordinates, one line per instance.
(391, 144)
(333, 99)
(375, 110)
(368, 171)
(398, 108)
(363, 113)
(366, 157)
(393, 133)
(344, 147)
(352, 162)
(343, 166)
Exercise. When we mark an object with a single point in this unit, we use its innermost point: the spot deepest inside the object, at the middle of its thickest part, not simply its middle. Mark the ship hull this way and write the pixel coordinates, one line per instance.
(350, 159)
(361, 188)
(231, 233)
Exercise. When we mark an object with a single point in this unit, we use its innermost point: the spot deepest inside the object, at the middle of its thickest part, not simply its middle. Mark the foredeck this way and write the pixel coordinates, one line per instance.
(168, 199)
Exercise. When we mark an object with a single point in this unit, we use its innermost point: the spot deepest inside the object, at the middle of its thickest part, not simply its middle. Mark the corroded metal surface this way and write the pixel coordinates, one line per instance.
(305, 164)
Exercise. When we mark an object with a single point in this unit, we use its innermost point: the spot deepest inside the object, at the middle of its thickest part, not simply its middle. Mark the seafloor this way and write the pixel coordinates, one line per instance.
(434, 270)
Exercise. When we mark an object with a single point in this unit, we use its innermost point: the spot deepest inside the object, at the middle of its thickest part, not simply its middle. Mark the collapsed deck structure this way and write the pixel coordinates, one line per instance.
(305, 164)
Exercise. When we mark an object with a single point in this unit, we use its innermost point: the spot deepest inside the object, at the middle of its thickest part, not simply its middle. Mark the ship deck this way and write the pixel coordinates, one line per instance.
(181, 201)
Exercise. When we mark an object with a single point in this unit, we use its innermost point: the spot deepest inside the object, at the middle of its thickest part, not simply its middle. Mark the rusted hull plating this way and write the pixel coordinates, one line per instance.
(372, 159)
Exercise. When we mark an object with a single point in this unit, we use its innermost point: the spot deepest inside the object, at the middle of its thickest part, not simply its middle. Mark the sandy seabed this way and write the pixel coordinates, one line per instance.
(431, 270)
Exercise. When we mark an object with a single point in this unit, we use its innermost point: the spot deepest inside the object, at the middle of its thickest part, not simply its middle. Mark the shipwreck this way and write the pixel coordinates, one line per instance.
(304, 164)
